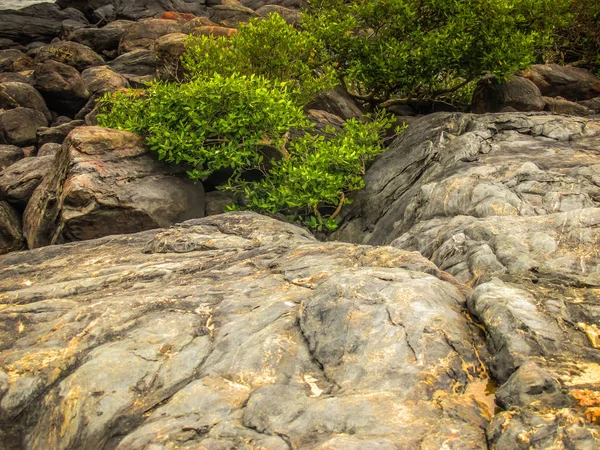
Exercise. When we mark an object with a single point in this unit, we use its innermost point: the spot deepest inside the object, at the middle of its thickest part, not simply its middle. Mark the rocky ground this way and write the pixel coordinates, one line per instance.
(463, 311)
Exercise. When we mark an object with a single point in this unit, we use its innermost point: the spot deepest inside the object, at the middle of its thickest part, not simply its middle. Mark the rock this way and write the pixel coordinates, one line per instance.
(11, 239)
(213, 31)
(291, 16)
(239, 331)
(61, 86)
(168, 50)
(9, 154)
(337, 101)
(519, 93)
(101, 40)
(559, 105)
(231, 14)
(49, 149)
(12, 60)
(593, 104)
(19, 126)
(138, 62)
(257, 4)
(144, 33)
(572, 83)
(56, 134)
(72, 54)
(12, 77)
(18, 181)
(140, 9)
(508, 203)
(103, 79)
(104, 182)
(42, 22)
(216, 202)
(16, 95)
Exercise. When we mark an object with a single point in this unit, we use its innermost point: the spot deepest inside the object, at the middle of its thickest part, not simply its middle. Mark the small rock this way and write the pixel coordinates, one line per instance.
(11, 232)
(337, 101)
(559, 105)
(103, 79)
(101, 40)
(56, 134)
(139, 62)
(62, 87)
(231, 14)
(19, 126)
(72, 54)
(12, 60)
(9, 154)
(18, 181)
(15, 95)
(49, 149)
(168, 50)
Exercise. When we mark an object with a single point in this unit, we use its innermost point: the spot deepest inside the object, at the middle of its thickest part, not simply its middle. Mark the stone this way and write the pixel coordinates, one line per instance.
(56, 134)
(571, 83)
(49, 149)
(519, 93)
(72, 54)
(103, 79)
(104, 182)
(291, 16)
(168, 50)
(139, 62)
(559, 105)
(61, 86)
(337, 101)
(144, 33)
(257, 4)
(14, 77)
(22, 95)
(12, 60)
(507, 204)
(104, 39)
(216, 202)
(231, 14)
(9, 154)
(593, 104)
(18, 181)
(213, 31)
(238, 331)
(18, 126)
(11, 238)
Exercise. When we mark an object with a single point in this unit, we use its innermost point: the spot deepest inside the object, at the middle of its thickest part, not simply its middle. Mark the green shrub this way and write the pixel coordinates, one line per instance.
(428, 49)
(270, 48)
(579, 41)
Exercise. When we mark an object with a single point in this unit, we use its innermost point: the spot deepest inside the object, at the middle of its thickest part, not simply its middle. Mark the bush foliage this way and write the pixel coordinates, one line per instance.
(579, 41)
(425, 49)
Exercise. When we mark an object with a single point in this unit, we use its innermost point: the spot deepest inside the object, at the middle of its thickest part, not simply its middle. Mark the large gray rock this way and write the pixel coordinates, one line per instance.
(61, 86)
(19, 126)
(144, 33)
(572, 83)
(105, 39)
(15, 95)
(18, 181)
(518, 94)
(235, 331)
(105, 182)
(11, 239)
(508, 203)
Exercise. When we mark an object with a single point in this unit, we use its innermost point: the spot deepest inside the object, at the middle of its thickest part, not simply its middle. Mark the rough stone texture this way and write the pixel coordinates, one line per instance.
(103, 79)
(507, 203)
(105, 182)
(10, 154)
(231, 14)
(235, 331)
(61, 86)
(18, 126)
(13, 60)
(72, 54)
(49, 149)
(57, 134)
(572, 83)
(168, 50)
(519, 94)
(144, 33)
(11, 239)
(14, 95)
(337, 101)
(559, 105)
(136, 65)
(291, 16)
(105, 39)
(18, 181)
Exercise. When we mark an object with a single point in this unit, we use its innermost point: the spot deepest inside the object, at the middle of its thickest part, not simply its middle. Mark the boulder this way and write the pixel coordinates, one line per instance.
(593, 104)
(518, 94)
(18, 181)
(49, 149)
(144, 33)
(101, 40)
(572, 83)
(231, 14)
(105, 182)
(12, 60)
(337, 101)
(210, 30)
(291, 16)
(42, 22)
(257, 4)
(168, 50)
(103, 79)
(137, 66)
(11, 237)
(559, 105)
(56, 134)
(508, 204)
(9, 154)
(18, 126)
(15, 95)
(61, 86)
(13, 77)
(72, 54)
(238, 331)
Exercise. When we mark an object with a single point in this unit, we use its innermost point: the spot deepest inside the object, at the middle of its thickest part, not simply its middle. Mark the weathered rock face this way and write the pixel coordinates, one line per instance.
(572, 83)
(61, 86)
(18, 126)
(11, 239)
(144, 33)
(72, 54)
(519, 94)
(104, 182)
(507, 203)
(235, 331)
(14, 95)
(12, 60)
(105, 39)
(10, 154)
(18, 181)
